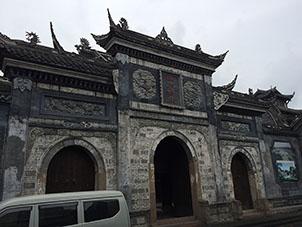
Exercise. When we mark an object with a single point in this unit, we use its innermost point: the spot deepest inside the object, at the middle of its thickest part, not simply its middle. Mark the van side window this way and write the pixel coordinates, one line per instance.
(97, 210)
(52, 215)
(17, 217)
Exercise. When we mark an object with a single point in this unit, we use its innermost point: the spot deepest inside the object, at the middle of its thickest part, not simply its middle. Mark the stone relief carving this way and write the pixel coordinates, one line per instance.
(235, 126)
(220, 99)
(22, 84)
(144, 84)
(73, 107)
(192, 94)
(5, 98)
(83, 124)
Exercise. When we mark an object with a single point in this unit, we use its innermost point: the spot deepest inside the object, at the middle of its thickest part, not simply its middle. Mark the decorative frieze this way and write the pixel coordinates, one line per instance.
(235, 126)
(144, 84)
(60, 106)
(192, 95)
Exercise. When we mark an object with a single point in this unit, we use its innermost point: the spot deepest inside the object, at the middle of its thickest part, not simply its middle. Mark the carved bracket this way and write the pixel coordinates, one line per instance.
(22, 84)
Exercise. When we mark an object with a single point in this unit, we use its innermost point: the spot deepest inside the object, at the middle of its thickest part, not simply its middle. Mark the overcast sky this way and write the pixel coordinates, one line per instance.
(264, 36)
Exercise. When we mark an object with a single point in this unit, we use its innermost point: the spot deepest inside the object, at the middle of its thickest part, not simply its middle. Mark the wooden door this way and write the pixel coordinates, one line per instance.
(70, 170)
(241, 182)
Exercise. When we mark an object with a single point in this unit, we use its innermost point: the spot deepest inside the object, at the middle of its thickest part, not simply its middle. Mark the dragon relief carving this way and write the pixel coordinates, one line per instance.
(192, 94)
(73, 107)
(144, 84)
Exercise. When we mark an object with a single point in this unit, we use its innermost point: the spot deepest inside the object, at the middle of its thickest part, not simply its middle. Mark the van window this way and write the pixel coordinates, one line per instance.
(52, 215)
(17, 217)
(97, 210)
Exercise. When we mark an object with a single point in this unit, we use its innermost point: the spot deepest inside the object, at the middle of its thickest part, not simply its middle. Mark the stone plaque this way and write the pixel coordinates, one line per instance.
(144, 84)
(171, 93)
(60, 106)
(235, 126)
(192, 95)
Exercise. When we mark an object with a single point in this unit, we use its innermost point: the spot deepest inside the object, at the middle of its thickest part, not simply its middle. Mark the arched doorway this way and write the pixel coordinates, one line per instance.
(71, 169)
(172, 180)
(242, 175)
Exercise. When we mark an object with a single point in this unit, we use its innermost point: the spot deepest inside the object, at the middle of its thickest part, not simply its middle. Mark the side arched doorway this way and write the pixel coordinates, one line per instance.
(70, 170)
(243, 181)
(172, 179)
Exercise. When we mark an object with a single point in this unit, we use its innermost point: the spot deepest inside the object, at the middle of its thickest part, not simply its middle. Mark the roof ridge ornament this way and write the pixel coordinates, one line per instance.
(230, 86)
(84, 46)
(164, 38)
(123, 24)
(198, 48)
(55, 42)
(111, 22)
(32, 38)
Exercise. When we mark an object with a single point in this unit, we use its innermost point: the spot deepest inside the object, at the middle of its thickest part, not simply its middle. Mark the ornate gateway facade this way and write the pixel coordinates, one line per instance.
(144, 118)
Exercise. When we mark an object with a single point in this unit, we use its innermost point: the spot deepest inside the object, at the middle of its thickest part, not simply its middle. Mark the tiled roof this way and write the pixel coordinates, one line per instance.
(156, 44)
(20, 50)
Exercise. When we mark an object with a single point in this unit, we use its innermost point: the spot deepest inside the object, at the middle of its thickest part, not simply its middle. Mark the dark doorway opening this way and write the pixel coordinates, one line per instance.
(240, 174)
(172, 180)
(70, 170)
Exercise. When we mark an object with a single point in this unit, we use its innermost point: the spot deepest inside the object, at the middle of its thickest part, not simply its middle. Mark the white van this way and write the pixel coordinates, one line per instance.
(85, 209)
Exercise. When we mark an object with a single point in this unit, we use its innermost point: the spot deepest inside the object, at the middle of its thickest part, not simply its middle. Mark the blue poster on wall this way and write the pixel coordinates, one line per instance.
(286, 170)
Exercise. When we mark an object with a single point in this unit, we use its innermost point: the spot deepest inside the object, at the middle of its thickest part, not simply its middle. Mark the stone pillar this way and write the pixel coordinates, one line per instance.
(14, 157)
(123, 155)
(121, 82)
(5, 91)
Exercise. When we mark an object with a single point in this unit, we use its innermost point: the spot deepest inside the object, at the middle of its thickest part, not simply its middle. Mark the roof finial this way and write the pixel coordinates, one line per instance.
(32, 38)
(164, 38)
(198, 48)
(111, 22)
(55, 42)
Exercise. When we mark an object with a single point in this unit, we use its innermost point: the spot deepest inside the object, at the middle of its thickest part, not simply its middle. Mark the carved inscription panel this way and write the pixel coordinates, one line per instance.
(60, 106)
(144, 84)
(171, 91)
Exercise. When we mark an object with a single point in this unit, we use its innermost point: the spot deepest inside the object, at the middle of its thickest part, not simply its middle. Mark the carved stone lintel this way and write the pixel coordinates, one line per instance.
(61, 106)
(22, 84)
(235, 126)
(220, 99)
(71, 124)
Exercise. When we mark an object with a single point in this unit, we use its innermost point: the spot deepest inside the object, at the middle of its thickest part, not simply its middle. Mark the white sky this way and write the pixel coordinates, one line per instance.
(264, 36)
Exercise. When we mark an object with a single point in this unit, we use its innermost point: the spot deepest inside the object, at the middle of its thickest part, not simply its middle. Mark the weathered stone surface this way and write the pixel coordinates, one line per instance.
(192, 95)
(71, 107)
(144, 84)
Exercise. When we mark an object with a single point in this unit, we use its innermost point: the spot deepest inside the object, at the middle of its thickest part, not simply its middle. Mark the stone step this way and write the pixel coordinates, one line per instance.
(185, 224)
(179, 222)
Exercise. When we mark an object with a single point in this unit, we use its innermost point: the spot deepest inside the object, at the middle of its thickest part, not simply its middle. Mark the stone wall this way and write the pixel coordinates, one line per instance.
(45, 143)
